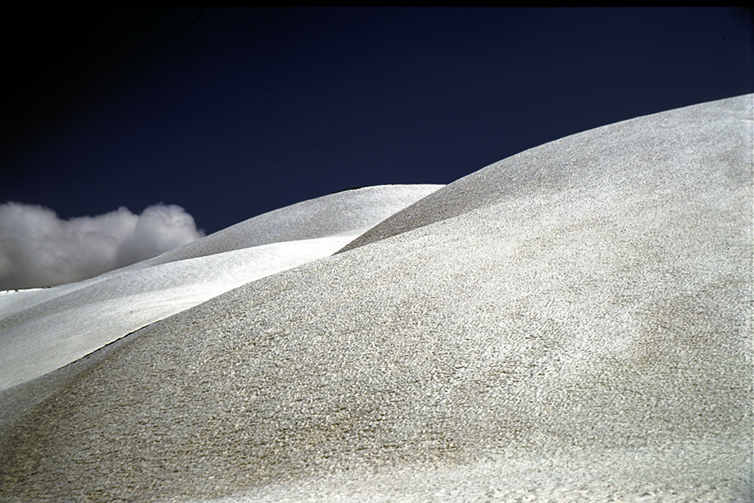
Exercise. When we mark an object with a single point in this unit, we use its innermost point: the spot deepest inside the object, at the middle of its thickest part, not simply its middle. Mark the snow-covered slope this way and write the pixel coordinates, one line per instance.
(572, 323)
(43, 329)
(39, 340)
(346, 213)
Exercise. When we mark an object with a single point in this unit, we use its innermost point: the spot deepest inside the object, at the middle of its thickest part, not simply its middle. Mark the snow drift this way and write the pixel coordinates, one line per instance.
(571, 323)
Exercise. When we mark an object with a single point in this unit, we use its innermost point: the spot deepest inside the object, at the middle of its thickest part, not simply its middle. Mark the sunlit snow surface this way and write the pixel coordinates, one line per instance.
(573, 323)
(75, 323)
(43, 329)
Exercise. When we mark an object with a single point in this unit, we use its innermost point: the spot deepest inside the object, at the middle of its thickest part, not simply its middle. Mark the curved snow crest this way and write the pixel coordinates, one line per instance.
(341, 213)
(568, 163)
(60, 330)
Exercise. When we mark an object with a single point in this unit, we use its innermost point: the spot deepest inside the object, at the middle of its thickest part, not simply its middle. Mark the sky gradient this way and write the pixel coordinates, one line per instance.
(233, 112)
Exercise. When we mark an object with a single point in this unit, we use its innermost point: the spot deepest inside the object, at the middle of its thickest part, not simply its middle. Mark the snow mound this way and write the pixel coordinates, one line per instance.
(606, 161)
(573, 323)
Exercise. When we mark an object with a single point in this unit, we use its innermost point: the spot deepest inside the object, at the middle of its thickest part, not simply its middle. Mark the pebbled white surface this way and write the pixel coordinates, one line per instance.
(569, 324)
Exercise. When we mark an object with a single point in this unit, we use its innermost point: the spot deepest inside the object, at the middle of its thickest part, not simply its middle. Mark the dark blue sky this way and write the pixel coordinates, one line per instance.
(239, 111)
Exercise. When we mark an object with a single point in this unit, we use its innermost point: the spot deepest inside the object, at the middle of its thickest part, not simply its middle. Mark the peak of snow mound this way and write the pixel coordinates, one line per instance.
(583, 337)
(609, 155)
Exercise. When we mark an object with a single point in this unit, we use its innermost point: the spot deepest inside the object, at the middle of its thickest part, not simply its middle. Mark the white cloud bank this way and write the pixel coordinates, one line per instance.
(39, 249)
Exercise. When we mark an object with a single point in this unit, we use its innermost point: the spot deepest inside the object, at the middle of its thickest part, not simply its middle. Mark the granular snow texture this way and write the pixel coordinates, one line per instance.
(570, 324)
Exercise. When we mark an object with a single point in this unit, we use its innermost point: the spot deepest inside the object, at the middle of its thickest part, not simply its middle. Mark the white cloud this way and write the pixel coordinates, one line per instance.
(39, 249)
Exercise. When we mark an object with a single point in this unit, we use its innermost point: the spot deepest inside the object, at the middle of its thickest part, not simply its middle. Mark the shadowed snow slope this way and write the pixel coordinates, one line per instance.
(43, 329)
(572, 323)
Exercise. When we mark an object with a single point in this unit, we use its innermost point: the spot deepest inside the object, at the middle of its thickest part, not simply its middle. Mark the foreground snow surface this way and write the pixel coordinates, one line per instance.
(552, 478)
(573, 323)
